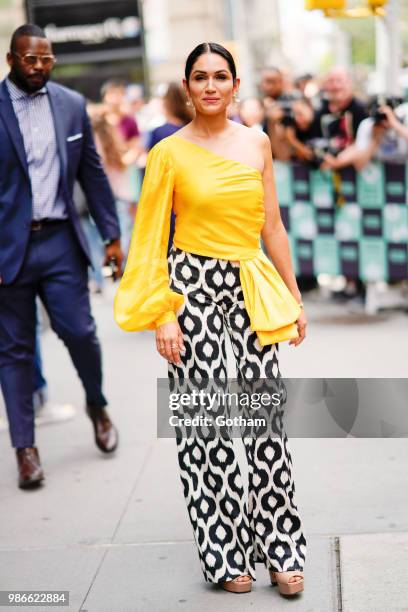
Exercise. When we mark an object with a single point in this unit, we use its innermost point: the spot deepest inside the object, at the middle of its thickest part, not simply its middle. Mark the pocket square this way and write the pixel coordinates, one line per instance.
(74, 137)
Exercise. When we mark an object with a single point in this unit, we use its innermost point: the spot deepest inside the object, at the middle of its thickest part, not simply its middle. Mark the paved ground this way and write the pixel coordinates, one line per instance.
(115, 533)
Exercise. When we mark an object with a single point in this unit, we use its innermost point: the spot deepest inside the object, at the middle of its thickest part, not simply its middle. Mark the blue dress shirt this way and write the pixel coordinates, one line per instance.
(36, 124)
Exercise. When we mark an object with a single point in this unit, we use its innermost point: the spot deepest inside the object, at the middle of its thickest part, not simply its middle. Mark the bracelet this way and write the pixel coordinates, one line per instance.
(301, 304)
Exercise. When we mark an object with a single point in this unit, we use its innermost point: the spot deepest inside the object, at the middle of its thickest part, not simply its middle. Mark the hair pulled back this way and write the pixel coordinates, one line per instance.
(209, 47)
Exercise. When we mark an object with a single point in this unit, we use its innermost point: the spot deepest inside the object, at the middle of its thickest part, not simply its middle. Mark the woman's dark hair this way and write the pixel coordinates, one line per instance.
(210, 47)
(175, 103)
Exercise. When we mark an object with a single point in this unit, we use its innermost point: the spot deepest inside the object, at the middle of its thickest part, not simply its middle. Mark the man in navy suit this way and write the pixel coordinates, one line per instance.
(46, 144)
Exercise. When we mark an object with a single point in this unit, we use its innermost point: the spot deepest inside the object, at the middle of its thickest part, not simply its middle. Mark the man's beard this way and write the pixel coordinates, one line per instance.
(28, 85)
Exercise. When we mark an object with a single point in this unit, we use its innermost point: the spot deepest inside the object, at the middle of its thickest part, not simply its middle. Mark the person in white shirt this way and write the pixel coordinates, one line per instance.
(386, 141)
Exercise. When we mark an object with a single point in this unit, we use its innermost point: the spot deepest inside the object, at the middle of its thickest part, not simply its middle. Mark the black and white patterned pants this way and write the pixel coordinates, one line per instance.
(231, 534)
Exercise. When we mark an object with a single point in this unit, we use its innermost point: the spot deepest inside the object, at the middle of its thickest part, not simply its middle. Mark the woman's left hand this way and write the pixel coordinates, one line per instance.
(301, 325)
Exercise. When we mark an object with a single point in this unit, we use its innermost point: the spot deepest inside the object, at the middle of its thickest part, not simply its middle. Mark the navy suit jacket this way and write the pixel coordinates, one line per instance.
(79, 161)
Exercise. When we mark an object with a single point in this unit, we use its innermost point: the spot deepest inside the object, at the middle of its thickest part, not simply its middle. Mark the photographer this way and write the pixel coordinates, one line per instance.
(341, 112)
(274, 94)
(302, 130)
(383, 137)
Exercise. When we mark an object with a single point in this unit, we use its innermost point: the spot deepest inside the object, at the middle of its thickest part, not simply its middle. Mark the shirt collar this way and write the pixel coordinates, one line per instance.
(18, 94)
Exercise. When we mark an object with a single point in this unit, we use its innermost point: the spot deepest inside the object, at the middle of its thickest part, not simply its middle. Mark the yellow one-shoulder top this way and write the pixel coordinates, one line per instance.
(219, 207)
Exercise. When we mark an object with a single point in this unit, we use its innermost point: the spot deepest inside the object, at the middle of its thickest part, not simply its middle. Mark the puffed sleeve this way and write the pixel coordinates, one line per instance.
(144, 299)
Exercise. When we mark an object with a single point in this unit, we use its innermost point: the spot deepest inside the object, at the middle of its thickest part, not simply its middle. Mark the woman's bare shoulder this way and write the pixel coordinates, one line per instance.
(254, 142)
(253, 135)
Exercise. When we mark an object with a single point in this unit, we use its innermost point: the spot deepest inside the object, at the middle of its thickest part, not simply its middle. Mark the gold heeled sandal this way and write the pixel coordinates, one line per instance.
(282, 580)
(241, 586)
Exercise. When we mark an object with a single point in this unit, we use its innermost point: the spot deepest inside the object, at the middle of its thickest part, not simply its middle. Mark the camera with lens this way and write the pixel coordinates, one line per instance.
(321, 147)
(375, 112)
(286, 105)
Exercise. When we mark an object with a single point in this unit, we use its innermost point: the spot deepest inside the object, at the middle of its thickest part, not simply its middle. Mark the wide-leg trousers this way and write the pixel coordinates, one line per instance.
(231, 532)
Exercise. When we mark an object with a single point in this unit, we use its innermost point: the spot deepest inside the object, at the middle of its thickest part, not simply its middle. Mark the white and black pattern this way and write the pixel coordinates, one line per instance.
(231, 534)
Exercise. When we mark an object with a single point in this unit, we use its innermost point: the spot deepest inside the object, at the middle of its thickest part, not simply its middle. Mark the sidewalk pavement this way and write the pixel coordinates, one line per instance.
(114, 531)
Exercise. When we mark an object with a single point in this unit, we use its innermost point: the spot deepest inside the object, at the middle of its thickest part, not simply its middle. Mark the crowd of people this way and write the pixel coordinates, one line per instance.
(325, 124)
(311, 120)
(316, 120)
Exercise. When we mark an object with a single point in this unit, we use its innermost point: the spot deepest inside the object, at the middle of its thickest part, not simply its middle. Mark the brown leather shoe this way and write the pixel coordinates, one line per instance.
(106, 434)
(30, 472)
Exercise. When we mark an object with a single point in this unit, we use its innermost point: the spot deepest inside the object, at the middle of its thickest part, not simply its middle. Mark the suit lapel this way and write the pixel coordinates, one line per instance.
(57, 108)
(11, 124)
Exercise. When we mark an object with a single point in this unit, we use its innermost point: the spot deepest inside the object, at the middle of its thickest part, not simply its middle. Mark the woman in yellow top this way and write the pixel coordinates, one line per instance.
(217, 175)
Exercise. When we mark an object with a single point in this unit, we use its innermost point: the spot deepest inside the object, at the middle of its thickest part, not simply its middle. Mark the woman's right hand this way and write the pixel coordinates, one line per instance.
(169, 342)
(301, 325)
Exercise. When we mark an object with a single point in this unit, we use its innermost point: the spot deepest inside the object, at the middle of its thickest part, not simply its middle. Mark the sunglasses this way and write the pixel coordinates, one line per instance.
(31, 60)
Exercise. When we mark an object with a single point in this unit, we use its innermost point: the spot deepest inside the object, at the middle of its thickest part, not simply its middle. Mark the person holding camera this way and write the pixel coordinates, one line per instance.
(382, 137)
(341, 112)
(275, 97)
(302, 130)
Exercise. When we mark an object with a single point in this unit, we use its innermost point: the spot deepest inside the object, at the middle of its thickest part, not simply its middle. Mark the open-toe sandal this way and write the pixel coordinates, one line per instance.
(237, 586)
(282, 580)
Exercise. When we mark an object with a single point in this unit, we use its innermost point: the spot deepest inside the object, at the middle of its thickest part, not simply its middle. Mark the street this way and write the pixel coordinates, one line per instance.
(114, 531)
